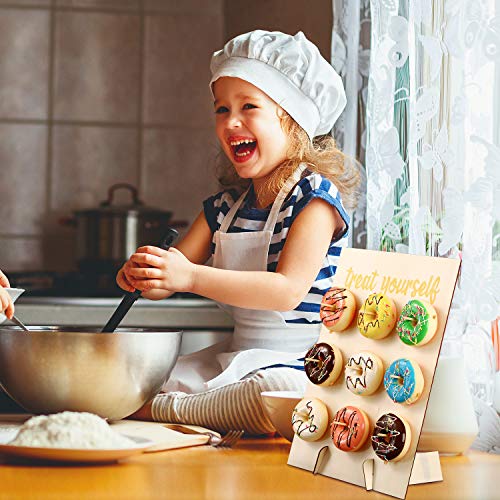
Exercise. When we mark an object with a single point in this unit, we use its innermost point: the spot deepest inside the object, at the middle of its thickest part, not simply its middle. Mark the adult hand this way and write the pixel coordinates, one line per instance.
(6, 304)
(4, 281)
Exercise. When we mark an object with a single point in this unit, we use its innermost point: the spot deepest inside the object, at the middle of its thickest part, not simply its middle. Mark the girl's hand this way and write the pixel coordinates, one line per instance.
(154, 268)
(123, 283)
(121, 278)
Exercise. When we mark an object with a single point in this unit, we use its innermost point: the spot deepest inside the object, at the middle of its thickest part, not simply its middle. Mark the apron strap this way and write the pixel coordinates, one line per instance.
(278, 202)
(232, 212)
(273, 214)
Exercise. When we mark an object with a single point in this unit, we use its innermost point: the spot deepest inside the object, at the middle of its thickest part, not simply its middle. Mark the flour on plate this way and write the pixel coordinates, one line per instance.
(75, 430)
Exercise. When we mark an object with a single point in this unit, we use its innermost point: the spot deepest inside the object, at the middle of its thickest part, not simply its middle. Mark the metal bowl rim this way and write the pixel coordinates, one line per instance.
(85, 330)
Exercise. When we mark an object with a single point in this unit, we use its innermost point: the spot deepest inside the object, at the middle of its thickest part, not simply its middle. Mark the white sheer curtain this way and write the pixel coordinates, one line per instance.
(351, 58)
(433, 156)
(432, 150)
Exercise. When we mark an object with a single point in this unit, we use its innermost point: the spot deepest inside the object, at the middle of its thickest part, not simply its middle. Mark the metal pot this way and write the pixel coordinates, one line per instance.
(109, 234)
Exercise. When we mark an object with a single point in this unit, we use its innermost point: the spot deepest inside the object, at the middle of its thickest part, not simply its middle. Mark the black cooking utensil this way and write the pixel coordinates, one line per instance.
(130, 297)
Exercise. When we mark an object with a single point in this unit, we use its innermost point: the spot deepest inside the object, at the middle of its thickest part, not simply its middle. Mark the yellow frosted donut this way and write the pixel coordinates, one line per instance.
(377, 316)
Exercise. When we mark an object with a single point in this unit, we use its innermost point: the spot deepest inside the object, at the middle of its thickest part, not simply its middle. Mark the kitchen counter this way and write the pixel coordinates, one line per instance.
(256, 468)
(169, 313)
(201, 320)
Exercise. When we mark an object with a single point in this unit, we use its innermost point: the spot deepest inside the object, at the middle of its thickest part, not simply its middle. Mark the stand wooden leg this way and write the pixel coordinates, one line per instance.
(426, 468)
(368, 468)
(320, 457)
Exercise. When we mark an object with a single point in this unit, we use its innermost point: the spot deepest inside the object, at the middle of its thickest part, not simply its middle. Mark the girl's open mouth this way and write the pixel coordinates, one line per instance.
(243, 149)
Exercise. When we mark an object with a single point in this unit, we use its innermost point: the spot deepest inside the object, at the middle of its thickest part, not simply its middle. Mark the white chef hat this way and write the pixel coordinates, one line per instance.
(290, 70)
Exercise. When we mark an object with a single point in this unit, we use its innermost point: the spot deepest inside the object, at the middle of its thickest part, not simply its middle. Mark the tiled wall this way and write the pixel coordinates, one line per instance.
(94, 92)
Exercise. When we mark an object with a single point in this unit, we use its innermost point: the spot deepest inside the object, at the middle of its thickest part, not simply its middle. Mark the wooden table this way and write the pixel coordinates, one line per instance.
(256, 468)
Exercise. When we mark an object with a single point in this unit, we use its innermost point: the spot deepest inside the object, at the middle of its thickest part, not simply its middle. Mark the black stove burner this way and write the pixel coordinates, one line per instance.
(70, 284)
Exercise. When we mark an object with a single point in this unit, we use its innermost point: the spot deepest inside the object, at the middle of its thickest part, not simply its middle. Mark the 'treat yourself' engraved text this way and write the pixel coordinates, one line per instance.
(428, 288)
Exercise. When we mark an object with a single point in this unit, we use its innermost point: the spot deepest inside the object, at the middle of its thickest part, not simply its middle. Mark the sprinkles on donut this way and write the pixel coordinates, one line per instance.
(377, 316)
(391, 437)
(417, 323)
(404, 381)
(323, 363)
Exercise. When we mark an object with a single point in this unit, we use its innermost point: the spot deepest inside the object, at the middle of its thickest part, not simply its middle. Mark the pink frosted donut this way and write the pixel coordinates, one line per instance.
(338, 308)
(350, 428)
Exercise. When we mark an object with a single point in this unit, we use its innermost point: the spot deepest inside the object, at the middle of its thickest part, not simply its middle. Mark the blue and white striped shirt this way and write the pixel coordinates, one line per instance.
(248, 218)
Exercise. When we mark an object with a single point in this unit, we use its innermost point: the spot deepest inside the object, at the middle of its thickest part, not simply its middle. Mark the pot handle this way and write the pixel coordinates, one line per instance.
(122, 185)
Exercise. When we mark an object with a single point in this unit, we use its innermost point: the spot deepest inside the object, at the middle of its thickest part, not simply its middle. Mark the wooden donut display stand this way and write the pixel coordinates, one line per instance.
(401, 278)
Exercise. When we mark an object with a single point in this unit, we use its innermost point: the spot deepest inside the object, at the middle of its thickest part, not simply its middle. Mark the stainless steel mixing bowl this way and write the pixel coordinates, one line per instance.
(51, 369)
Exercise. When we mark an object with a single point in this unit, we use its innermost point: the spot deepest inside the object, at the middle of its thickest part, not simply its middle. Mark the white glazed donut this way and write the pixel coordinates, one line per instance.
(363, 373)
(310, 419)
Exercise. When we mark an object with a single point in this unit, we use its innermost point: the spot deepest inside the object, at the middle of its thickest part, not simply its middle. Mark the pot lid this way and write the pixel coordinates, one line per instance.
(135, 206)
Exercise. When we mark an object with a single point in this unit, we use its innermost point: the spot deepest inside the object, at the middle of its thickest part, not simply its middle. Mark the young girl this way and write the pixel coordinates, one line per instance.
(275, 239)
(6, 304)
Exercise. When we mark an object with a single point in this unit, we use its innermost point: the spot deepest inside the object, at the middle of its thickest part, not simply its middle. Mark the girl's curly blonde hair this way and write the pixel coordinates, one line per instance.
(321, 156)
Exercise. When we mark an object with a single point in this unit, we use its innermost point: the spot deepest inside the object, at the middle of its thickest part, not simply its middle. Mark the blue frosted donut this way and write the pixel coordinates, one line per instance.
(404, 381)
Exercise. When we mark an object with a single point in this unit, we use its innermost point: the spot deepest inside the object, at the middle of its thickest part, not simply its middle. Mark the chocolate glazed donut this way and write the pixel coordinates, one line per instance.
(323, 363)
(390, 438)
(320, 371)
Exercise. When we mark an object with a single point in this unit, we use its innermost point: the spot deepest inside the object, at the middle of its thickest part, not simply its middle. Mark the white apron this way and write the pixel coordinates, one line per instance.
(259, 336)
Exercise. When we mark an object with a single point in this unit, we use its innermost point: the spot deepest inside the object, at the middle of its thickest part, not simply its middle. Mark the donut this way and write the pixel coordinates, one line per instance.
(417, 323)
(377, 316)
(391, 437)
(350, 428)
(310, 419)
(363, 373)
(404, 381)
(323, 363)
(337, 309)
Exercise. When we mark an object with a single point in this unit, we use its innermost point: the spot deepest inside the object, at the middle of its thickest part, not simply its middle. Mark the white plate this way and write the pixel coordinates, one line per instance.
(77, 456)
